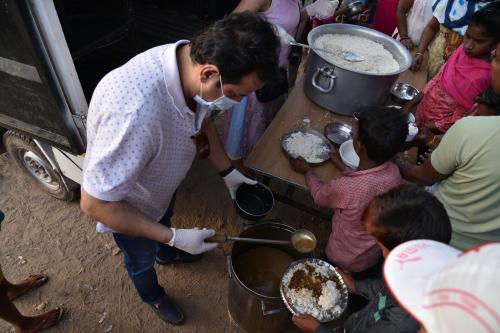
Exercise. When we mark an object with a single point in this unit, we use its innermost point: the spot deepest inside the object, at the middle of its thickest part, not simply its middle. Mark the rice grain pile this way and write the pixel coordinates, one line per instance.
(311, 290)
(308, 146)
(377, 60)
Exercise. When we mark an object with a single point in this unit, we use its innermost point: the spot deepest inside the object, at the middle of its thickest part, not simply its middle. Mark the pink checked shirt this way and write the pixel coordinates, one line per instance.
(350, 246)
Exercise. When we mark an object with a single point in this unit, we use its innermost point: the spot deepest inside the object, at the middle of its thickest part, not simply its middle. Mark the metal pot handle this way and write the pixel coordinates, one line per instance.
(266, 312)
(325, 71)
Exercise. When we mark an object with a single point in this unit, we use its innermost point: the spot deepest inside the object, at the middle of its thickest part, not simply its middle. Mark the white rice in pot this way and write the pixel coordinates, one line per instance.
(377, 59)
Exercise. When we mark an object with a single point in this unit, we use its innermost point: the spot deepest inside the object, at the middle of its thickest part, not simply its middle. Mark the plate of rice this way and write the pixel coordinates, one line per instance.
(308, 144)
(314, 287)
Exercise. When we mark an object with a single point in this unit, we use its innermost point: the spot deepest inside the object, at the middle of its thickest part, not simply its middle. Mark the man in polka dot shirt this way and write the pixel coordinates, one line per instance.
(140, 125)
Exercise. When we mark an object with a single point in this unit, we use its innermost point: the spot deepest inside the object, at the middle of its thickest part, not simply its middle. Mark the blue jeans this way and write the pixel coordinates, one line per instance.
(140, 254)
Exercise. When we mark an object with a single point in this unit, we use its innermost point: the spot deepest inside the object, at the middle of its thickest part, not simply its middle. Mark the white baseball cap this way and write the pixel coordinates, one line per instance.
(446, 290)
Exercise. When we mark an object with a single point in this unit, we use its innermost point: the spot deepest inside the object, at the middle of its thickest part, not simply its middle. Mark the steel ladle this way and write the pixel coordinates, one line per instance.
(301, 240)
(347, 55)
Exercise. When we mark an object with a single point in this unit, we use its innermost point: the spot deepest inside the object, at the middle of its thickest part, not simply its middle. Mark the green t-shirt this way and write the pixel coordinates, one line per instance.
(470, 154)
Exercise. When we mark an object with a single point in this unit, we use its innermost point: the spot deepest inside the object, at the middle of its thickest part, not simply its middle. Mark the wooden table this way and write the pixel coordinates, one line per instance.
(267, 158)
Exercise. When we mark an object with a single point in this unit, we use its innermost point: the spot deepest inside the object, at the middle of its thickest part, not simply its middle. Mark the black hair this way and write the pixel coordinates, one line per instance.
(491, 99)
(488, 18)
(382, 131)
(409, 212)
(238, 45)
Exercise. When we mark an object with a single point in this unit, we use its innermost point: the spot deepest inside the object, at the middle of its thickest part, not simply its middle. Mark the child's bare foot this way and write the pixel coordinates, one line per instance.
(38, 323)
(32, 282)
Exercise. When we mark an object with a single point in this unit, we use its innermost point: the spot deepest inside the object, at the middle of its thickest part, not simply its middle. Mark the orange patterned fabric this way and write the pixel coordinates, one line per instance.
(446, 42)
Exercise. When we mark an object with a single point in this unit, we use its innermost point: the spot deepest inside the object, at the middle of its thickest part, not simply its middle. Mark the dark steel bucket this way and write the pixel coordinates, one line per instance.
(251, 311)
(253, 202)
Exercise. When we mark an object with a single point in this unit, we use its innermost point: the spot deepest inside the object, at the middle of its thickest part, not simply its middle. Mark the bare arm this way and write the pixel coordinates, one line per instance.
(404, 7)
(303, 15)
(253, 6)
(430, 30)
(217, 156)
(423, 174)
(124, 218)
(428, 34)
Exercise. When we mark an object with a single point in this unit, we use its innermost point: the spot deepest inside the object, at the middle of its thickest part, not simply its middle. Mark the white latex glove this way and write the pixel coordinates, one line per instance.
(234, 179)
(192, 240)
(322, 8)
(285, 37)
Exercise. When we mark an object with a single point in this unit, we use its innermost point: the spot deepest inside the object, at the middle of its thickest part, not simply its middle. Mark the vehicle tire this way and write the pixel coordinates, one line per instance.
(35, 165)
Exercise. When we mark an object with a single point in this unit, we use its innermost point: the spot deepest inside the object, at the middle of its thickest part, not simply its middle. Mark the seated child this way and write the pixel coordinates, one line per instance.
(449, 96)
(380, 135)
(405, 213)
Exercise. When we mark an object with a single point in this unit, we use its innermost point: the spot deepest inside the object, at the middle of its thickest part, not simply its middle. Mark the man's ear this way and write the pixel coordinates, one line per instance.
(207, 71)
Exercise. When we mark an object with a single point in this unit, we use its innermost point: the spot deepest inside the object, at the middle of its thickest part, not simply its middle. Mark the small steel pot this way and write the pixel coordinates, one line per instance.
(253, 202)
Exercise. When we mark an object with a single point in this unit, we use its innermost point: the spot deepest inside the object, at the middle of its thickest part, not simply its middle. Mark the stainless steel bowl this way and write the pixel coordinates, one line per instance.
(335, 276)
(355, 8)
(325, 156)
(402, 93)
(338, 132)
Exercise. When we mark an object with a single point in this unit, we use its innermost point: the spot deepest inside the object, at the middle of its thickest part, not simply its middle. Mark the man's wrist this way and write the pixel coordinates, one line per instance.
(169, 236)
(226, 171)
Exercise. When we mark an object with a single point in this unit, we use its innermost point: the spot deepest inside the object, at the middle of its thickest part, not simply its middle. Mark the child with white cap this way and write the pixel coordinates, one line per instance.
(446, 290)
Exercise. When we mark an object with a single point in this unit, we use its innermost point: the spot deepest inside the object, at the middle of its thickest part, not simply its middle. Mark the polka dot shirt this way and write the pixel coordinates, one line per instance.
(138, 133)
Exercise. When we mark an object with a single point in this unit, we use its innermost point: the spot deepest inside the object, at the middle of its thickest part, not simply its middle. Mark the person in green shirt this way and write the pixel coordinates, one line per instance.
(466, 169)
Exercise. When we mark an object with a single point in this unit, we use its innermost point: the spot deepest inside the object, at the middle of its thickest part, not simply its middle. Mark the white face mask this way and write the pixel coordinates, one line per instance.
(222, 103)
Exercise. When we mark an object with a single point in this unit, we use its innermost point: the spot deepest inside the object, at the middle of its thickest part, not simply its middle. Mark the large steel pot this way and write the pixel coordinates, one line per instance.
(251, 311)
(342, 90)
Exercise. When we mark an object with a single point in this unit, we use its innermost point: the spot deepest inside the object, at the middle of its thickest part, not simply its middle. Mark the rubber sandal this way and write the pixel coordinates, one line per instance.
(47, 316)
(168, 311)
(32, 282)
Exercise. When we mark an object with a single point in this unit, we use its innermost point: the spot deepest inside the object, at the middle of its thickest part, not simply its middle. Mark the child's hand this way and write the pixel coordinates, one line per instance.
(424, 135)
(300, 165)
(335, 156)
(348, 280)
(306, 323)
(417, 62)
(407, 43)
(337, 160)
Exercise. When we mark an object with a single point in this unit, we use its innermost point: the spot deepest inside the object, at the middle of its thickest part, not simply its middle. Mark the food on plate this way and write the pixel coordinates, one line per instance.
(310, 147)
(312, 289)
(376, 58)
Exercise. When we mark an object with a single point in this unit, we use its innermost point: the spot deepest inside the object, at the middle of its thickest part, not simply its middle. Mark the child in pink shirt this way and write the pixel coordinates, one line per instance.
(381, 134)
(449, 96)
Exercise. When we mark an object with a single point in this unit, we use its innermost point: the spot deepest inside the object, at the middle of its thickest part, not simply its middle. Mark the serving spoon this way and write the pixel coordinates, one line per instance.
(301, 240)
(347, 55)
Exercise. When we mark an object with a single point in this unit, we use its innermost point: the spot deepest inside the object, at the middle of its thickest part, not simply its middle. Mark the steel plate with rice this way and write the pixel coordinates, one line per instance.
(308, 144)
(312, 286)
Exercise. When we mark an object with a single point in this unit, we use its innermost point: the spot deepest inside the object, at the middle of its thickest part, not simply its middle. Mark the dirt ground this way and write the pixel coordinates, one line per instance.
(43, 235)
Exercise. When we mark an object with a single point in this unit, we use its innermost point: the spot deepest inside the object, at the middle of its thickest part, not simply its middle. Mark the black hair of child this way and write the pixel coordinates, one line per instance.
(382, 131)
(488, 18)
(409, 212)
(492, 100)
(239, 44)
